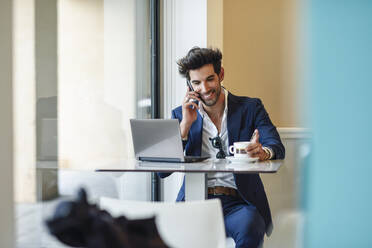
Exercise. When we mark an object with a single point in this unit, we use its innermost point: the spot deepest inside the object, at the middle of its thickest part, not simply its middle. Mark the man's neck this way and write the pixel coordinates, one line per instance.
(216, 111)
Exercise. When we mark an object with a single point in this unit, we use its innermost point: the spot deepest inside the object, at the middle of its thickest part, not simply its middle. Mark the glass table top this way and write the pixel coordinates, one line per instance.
(209, 165)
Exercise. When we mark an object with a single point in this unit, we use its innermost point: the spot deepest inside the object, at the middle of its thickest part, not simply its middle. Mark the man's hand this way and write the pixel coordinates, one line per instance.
(255, 149)
(189, 112)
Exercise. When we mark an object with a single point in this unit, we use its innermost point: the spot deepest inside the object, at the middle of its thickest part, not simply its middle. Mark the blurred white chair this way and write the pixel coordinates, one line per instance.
(96, 184)
(185, 224)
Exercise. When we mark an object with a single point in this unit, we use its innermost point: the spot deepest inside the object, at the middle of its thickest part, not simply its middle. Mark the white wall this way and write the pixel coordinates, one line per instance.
(120, 57)
(35, 90)
(91, 130)
(185, 26)
(24, 101)
(124, 70)
(6, 126)
(97, 86)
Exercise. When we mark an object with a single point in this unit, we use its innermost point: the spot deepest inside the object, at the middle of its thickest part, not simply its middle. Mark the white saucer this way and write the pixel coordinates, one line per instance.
(233, 159)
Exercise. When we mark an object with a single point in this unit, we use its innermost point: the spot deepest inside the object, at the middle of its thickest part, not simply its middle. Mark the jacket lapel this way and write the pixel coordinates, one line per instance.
(234, 117)
(196, 132)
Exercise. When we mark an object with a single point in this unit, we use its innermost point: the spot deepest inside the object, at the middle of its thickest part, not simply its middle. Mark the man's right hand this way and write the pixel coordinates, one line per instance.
(189, 112)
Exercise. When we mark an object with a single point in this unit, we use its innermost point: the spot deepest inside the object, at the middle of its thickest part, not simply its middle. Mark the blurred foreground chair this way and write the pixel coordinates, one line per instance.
(96, 184)
(186, 224)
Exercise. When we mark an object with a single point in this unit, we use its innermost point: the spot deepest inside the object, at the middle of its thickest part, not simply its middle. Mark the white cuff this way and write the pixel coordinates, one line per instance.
(270, 151)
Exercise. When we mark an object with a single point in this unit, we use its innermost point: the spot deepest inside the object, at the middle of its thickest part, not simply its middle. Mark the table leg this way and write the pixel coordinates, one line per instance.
(196, 186)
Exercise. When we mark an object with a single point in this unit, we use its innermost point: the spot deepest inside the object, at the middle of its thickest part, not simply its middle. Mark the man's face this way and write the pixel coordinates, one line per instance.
(207, 83)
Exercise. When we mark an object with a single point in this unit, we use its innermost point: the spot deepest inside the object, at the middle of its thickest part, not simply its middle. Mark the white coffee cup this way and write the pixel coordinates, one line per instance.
(239, 149)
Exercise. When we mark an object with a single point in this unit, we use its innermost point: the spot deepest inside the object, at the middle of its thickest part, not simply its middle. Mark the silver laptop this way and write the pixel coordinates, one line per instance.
(159, 140)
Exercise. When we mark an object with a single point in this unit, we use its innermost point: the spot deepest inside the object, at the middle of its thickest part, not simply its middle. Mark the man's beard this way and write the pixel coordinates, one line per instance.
(212, 102)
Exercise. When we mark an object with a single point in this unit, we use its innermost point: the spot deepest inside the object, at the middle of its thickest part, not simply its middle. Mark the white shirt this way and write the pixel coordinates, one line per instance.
(211, 131)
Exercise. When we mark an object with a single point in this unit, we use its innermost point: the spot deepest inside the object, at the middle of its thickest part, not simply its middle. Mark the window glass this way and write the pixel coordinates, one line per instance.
(81, 71)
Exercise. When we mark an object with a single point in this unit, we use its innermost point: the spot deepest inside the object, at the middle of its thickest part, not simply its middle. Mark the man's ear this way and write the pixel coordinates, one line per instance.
(222, 74)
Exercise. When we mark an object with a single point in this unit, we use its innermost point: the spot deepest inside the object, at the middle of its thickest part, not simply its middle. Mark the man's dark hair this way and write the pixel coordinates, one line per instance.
(198, 57)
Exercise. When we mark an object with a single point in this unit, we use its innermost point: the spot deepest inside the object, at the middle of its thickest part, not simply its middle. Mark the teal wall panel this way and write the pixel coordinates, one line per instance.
(338, 190)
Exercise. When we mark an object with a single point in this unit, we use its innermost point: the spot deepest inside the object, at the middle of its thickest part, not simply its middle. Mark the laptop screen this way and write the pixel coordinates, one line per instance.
(157, 139)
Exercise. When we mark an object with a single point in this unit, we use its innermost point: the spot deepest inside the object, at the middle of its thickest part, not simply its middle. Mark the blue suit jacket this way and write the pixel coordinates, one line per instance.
(244, 116)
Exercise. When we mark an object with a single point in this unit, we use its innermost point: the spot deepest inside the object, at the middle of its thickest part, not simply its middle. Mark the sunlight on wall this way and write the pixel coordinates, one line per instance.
(24, 101)
(91, 132)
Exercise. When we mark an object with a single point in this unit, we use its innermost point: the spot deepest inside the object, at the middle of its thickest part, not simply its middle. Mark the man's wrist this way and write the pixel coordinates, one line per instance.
(269, 153)
(184, 130)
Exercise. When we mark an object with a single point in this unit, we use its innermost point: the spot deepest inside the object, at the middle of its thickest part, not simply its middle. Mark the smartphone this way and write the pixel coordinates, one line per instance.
(191, 89)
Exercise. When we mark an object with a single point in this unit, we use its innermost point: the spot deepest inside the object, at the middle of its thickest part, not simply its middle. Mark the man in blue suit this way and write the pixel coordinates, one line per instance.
(222, 116)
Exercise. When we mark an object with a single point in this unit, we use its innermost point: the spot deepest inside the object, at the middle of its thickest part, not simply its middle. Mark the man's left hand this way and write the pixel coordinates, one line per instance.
(255, 149)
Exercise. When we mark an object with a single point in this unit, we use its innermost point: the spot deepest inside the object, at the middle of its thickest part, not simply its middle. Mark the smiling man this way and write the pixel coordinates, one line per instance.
(210, 112)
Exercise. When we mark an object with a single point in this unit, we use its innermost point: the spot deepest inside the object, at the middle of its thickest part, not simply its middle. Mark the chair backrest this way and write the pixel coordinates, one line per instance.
(187, 224)
(97, 184)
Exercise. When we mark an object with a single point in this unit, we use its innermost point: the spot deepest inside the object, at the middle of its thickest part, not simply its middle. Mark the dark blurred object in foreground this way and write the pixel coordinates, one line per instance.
(80, 224)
